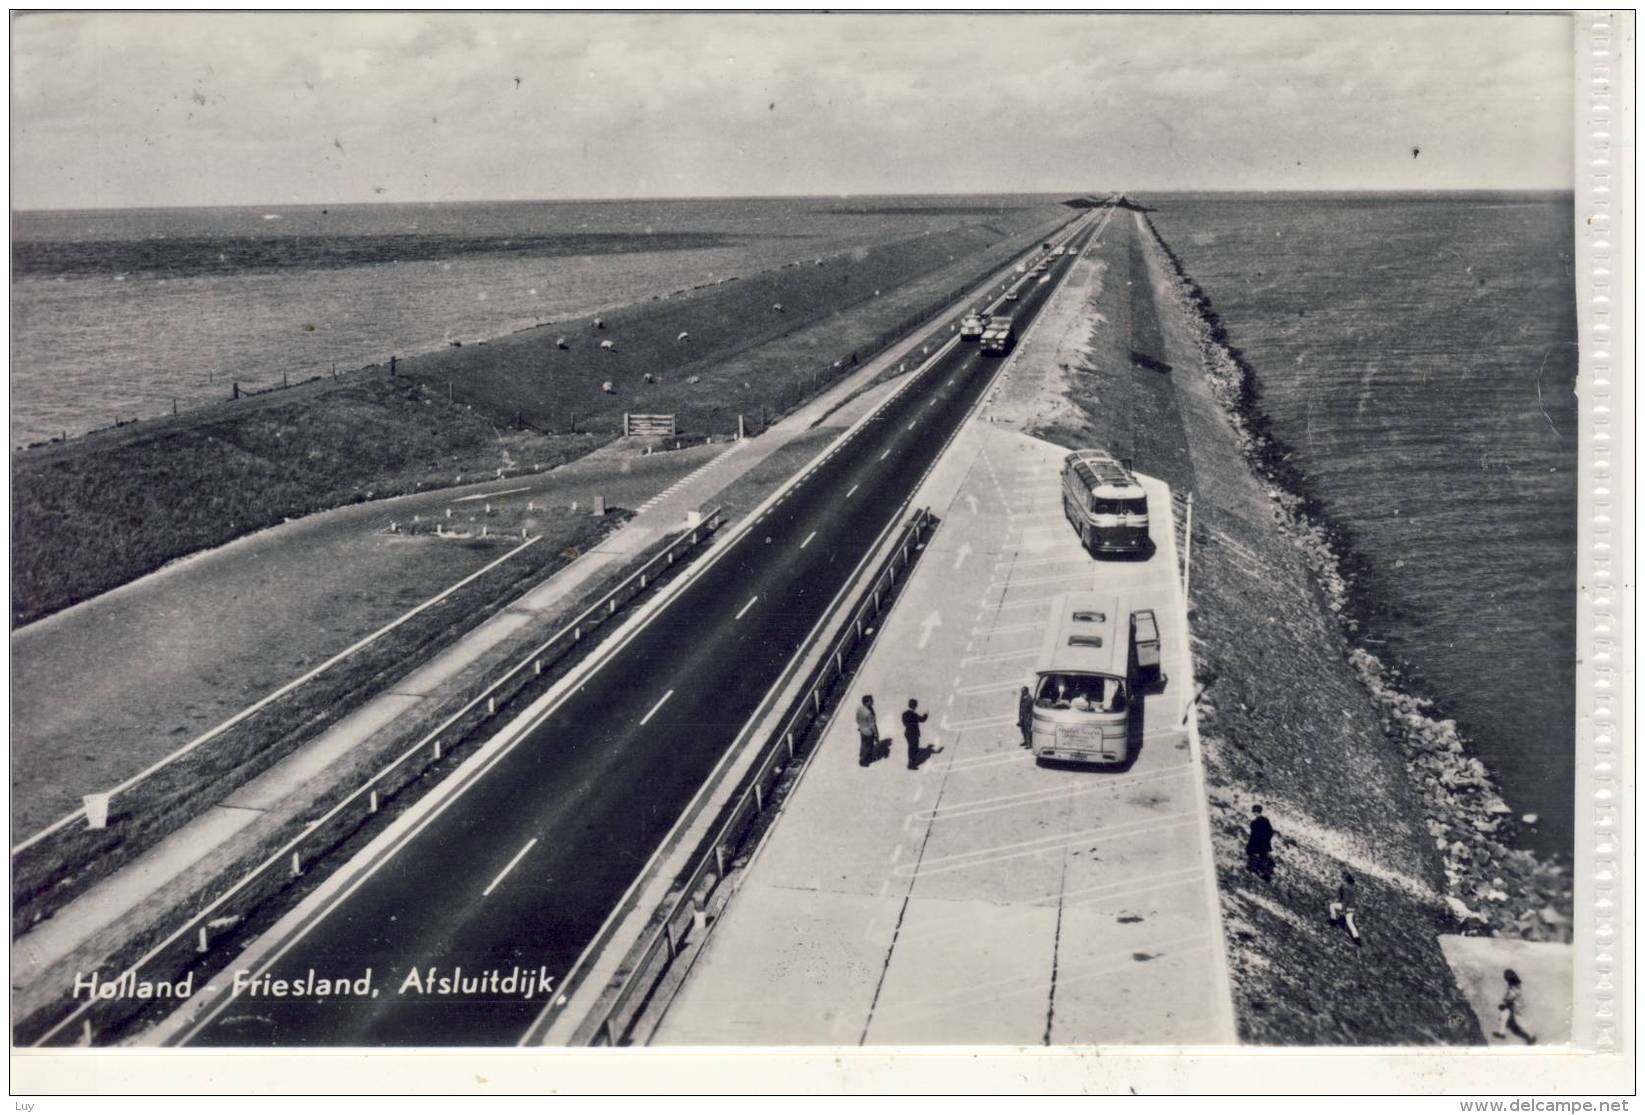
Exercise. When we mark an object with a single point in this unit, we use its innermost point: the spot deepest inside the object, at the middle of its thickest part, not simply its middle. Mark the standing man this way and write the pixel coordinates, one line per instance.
(1025, 716)
(1259, 859)
(868, 731)
(1346, 906)
(912, 718)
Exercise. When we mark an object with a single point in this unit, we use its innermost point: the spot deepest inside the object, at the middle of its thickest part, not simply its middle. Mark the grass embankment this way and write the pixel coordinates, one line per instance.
(102, 510)
(94, 514)
(52, 872)
(761, 341)
(1285, 719)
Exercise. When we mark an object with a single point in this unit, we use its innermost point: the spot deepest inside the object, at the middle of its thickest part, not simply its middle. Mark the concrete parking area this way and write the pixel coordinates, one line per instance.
(982, 898)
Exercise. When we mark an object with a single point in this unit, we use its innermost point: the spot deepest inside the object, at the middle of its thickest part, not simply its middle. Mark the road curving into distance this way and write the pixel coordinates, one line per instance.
(512, 876)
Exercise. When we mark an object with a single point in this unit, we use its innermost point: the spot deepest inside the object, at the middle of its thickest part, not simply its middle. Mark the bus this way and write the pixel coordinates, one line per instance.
(1105, 504)
(1082, 682)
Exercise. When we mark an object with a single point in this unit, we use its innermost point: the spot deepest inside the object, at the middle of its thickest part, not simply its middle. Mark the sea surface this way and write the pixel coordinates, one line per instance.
(119, 314)
(1418, 355)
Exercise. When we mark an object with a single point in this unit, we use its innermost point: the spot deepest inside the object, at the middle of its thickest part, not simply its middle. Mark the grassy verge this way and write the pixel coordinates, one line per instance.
(84, 522)
(54, 871)
(99, 511)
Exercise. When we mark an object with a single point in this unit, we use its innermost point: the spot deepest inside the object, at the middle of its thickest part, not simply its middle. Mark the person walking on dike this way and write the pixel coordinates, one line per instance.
(1346, 906)
(1025, 716)
(1513, 1001)
(868, 731)
(1259, 846)
(912, 718)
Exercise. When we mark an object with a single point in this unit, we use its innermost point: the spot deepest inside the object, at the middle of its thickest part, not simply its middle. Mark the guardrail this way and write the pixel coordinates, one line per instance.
(650, 960)
(182, 950)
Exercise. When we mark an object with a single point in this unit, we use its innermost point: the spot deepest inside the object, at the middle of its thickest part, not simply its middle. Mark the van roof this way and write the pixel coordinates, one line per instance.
(1085, 636)
(1098, 469)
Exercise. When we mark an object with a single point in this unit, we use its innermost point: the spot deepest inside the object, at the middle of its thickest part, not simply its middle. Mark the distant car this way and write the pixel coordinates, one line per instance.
(971, 327)
(1012, 295)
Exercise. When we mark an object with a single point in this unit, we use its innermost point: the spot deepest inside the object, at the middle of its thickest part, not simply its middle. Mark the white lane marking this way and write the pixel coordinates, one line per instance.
(911, 424)
(490, 495)
(808, 538)
(660, 703)
(853, 490)
(886, 454)
(744, 609)
(518, 856)
(1003, 656)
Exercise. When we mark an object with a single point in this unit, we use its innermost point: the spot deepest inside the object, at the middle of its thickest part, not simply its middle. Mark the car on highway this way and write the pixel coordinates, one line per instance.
(1012, 295)
(971, 327)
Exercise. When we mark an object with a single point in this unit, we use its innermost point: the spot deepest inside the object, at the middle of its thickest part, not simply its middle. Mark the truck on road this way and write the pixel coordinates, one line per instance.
(1000, 337)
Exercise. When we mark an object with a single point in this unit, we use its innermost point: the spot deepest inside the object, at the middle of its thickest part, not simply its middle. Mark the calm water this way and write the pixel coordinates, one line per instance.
(1419, 355)
(120, 312)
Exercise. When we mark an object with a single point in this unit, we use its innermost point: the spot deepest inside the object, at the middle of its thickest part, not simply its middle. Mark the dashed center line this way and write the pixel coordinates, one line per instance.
(854, 488)
(743, 610)
(886, 454)
(660, 703)
(518, 856)
(911, 424)
(808, 538)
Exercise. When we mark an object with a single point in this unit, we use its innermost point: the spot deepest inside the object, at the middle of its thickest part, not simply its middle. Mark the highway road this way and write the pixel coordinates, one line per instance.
(520, 869)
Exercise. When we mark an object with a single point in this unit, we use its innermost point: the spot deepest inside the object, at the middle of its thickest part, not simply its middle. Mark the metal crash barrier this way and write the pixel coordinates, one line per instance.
(683, 912)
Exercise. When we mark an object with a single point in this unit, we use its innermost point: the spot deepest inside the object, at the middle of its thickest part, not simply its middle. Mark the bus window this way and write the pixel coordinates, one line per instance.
(1118, 506)
(1079, 692)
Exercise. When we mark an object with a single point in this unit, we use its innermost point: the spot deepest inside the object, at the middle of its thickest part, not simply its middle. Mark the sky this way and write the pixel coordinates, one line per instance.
(119, 109)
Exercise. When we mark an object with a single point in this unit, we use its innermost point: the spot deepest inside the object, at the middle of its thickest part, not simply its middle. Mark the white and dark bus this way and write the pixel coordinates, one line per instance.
(1082, 684)
(1105, 504)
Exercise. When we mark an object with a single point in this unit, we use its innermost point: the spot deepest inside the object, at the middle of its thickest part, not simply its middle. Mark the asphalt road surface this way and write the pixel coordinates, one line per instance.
(522, 868)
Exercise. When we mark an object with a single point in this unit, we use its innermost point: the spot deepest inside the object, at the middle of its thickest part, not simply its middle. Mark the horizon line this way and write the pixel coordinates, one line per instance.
(1063, 195)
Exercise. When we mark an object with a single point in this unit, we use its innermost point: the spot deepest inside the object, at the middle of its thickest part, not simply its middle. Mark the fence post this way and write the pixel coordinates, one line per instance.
(373, 803)
(1187, 547)
(204, 945)
(296, 864)
(719, 860)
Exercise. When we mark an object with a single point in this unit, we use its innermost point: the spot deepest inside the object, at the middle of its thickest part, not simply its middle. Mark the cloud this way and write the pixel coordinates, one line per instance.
(168, 108)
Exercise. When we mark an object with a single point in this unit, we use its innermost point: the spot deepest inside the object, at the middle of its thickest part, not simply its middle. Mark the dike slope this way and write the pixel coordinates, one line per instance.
(101, 510)
(1292, 717)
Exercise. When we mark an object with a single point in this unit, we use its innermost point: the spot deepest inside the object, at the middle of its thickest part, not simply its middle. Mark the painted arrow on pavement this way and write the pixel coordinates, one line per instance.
(932, 622)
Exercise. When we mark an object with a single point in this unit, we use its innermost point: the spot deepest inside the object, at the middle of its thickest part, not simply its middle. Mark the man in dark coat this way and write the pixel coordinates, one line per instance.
(1025, 716)
(868, 732)
(1259, 846)
(912, 718)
